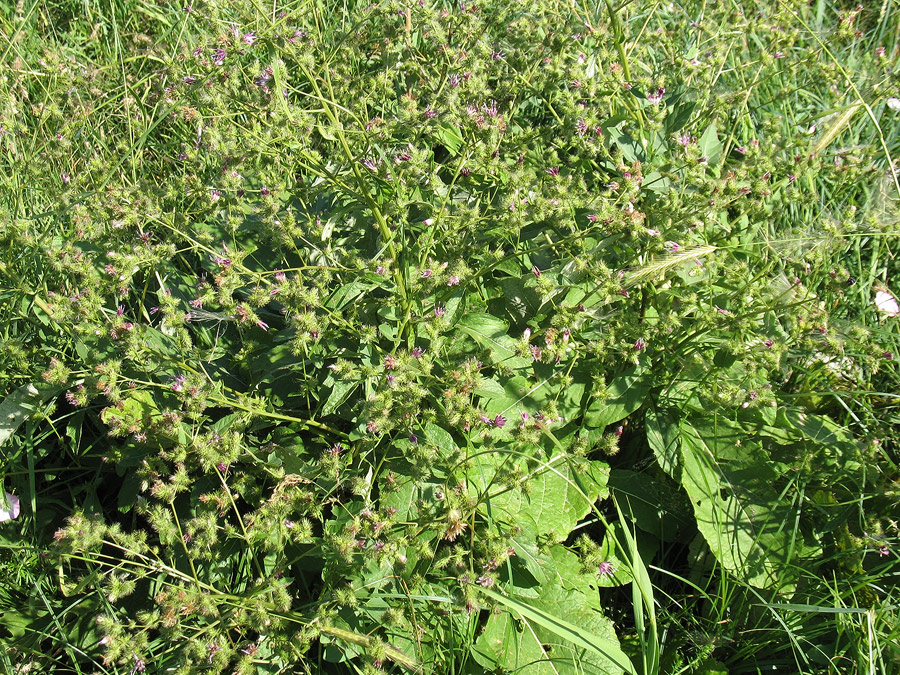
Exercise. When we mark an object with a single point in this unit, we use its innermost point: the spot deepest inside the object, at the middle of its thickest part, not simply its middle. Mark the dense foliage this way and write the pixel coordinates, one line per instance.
(348, 337)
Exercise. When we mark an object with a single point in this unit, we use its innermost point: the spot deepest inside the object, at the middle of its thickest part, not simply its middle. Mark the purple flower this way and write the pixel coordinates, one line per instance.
(639, 344)
(553, 171)
(656, 97)
(417, 352)
(249, 38)
(439, 311)
(605, 568)
(497, 55)
(218, 56)
(454, 80)
(499, 421)
(402, 157)
(12, 511)
(582, 127)
(430, 113)
(490, 109)
(453, 280)
(370, 164)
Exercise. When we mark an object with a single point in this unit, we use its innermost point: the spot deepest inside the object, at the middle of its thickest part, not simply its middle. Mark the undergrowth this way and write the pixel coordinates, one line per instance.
(449, 338)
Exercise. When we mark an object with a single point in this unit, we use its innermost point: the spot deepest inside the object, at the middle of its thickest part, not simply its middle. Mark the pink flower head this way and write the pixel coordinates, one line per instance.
(178, 385)
(656, 97)
(499, 421)
(10, 512)
(605, 568)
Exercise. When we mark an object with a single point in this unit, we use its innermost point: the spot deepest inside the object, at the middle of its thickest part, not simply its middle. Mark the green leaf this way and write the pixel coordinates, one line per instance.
(654, 505)
(664, 439)
(553, 504)
(579, 642)
(749, 525)
(21, 403)
(710, 145)
(490, 333)
(626, 394)
(450, 138)
(340, 392)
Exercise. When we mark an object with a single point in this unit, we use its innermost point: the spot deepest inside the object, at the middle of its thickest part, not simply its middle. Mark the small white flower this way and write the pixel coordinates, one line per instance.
(10, 512)
(886, 303)
(894, 104)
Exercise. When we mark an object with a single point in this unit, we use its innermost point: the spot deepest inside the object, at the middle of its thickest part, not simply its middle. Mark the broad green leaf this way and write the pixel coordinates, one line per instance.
(538, 624)
(664, 439)
(654, 505)
(749, 525)
(137, 405)
(553, 504)
(710, 145)
(16, 407)
(490, 333)
(340, 392)
(511, 645)
(626, 394)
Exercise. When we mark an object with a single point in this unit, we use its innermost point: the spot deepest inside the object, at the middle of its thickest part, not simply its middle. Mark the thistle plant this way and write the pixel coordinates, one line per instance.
(369, 335)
